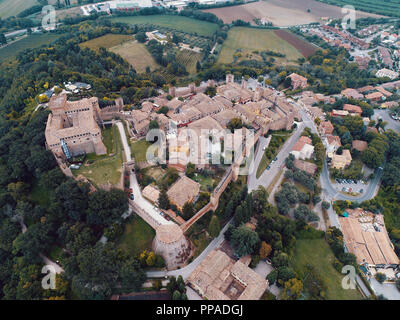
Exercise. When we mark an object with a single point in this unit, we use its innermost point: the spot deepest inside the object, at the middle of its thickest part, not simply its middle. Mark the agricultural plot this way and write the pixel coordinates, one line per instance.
(283, 13)
(248, 41)
(305, 48)
(9, 8)
(189, 59)
(30, 42)
(387, 8)
(184, 24)
(107, 41)
(137, 55)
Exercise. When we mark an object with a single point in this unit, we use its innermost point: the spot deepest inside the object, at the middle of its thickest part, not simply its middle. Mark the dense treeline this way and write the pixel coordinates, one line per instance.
(58, 212)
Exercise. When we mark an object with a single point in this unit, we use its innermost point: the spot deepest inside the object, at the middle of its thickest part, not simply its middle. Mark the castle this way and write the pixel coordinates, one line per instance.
(73, 127)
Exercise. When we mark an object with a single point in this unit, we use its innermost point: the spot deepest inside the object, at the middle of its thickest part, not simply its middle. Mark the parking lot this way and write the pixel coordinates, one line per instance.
(350, 186)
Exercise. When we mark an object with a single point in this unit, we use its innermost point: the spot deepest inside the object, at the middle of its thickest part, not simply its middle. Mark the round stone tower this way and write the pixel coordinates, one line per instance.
(172, 245)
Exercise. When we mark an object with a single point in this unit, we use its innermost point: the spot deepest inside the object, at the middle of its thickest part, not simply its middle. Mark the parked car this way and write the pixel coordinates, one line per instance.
(362, 190)
(269, 167)
(132, 197)
(276, 158)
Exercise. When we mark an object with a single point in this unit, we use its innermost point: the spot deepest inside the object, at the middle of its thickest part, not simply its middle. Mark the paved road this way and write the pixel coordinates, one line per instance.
(331, 193)
(139, 199)
(186, 271)
(392, 124)
(268, 175)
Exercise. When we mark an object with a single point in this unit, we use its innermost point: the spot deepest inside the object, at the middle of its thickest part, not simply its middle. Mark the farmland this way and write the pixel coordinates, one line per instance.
(249, 40)
(9, 8)
(107, 41)
(305, 48)
(390, 8)
(136, 54)
(193, 26)
(284, 13)
(189, 59)
(30, 42)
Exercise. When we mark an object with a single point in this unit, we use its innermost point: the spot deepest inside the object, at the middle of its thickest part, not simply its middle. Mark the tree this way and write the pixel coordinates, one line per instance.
(292, 289)
(176, 295)
(188, 211)
(235, 123)
(244, 240)
(3, 39)
(325, 205)
(265, 250)
(153, 125)
(163, 200)
(214, 227)
(380, 277)
(141, 37)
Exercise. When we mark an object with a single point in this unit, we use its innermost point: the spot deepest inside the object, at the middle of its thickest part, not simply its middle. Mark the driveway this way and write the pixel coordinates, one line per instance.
(384, 113)
(139, 199)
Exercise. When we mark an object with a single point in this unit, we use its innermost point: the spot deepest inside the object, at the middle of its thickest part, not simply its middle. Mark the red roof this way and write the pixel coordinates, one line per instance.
(352, 108)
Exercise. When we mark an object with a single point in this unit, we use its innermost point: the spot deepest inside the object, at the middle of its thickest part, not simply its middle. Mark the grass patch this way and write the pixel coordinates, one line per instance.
(138, 236)
(316, 252)
(139, 149)
(107, 168)
(9, 8)
(180, 23)
(30, 42)
(249, 40)
(107, 41)
(137, 55)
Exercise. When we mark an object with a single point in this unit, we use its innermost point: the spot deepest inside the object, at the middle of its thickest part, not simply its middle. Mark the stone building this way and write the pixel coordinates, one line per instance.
(73, 127)
(172, 245)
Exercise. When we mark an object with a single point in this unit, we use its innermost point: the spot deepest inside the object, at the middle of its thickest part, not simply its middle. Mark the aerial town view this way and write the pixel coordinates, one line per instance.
(200, 150)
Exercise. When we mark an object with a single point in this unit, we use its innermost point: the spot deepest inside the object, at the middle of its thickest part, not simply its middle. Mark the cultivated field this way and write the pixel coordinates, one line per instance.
(250, 40)
(283, 13)
(189, 59)
(107, 41)
(202, 28)
(305, 48)
(10, 8)
(30, 42)
(136, 54)
(389, 8)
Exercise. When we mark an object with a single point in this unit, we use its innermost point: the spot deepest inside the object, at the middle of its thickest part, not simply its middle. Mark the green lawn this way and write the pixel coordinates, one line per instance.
(180, 23)
(249, 40)
(317, 253)
(139, 150)
(30, 42)
(9, 8)
(205, 182)
(138, 236)
(107, 168)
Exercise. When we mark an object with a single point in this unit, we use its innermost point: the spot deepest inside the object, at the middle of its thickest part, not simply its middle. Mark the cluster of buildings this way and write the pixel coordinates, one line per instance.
(190, 108)
(219, 277)
(359, 48)
(365, 236)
